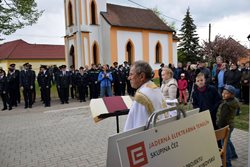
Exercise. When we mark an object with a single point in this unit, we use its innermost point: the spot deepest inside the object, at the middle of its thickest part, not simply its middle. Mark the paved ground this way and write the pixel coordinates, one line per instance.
(65, 135)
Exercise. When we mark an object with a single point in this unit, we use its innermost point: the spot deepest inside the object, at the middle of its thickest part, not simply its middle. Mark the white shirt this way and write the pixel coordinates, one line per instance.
(148, 98)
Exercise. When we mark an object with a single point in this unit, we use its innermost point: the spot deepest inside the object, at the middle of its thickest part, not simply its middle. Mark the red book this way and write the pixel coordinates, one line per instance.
(114, 103)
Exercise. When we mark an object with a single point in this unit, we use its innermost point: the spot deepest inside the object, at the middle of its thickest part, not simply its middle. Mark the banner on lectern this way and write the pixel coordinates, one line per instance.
(188, 142)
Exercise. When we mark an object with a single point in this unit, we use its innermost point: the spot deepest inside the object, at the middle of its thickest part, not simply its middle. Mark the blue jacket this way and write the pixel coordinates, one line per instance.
(105, 80)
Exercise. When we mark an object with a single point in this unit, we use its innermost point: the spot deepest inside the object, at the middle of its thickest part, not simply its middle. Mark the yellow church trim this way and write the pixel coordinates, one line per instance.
(170, 48)
(87, 36)
(113, 44)
(145, 47)
(83, 48)
(80, 13)
(86, 12)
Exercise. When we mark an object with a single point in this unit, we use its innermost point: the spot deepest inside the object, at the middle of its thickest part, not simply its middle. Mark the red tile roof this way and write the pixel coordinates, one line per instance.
(123, 16)
(20, 49)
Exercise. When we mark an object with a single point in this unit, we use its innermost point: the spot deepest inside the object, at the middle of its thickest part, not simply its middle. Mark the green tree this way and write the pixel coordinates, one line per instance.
(188, 49)
(226, 47)
(162, 17)
(16, 14)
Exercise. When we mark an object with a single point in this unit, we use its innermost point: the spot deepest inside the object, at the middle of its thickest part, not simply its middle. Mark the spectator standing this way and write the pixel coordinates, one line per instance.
(159, 73)
(169, 84)
(245, 79)
(206, 97)
(226, 116)
(203, 69)
(105, 78)
(233, 77)
(182, 86)
(220, 78)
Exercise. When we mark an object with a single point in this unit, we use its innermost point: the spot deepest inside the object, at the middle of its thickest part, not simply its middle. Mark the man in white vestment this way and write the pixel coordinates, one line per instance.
(148, 96)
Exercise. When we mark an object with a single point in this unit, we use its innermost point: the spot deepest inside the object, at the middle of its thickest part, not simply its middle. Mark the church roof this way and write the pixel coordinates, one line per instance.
(130, 17)
(20, 49)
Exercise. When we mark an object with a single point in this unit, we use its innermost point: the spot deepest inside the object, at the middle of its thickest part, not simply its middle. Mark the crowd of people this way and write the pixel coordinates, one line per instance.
(97, 81)
(221, 74)
(216, 89)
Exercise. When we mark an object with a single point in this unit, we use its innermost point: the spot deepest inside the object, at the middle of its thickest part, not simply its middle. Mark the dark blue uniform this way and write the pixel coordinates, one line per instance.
(3, 91)
(12, 89)
(27, 82)
(94, 85)
(63, 82)
(45, 79)
(82, 81)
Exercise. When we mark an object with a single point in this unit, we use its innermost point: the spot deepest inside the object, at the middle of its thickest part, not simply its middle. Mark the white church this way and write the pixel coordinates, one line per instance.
(98, 32)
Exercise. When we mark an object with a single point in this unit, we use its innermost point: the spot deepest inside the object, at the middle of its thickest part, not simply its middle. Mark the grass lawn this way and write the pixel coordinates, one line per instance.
(241, 121)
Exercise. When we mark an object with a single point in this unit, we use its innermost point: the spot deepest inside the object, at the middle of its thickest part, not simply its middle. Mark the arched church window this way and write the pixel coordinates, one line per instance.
(130, 52)
(70, 14)
(158, 53)
(93, 12)
(95, 53)
(72, 56)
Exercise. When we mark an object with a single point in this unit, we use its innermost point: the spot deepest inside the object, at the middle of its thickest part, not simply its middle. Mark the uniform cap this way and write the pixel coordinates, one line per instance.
(63, 66)
(25, 64)
(43, 66)
(12, 65)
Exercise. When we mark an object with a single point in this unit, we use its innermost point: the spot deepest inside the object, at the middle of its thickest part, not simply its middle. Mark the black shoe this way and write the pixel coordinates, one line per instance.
(67, 102)
(25, 107)
(30, 106)
(10, 108)
(5, 108)
(80, 101)
(62, 102)
(84, 100)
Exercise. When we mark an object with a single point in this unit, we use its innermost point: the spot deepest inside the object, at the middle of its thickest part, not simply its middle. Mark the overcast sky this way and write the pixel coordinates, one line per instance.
(227, 18)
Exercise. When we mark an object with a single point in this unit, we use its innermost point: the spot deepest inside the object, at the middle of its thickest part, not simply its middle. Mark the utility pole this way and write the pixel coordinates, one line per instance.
(209, 33)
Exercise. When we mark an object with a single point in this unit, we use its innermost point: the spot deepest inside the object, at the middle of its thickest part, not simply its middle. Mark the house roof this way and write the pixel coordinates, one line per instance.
(20, 49)
(123, 16)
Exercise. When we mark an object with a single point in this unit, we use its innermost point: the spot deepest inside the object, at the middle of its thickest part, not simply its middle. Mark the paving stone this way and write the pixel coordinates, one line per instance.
(66, 135)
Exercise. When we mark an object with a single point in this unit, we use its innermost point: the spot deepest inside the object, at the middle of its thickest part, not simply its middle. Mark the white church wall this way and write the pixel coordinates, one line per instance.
(175, 57)
(106, 52)
(86, 50)
(122, 38)
(153, 39)
(94, 35)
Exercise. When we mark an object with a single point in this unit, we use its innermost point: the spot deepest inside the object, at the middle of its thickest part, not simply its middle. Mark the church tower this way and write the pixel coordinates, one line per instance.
(83, 39)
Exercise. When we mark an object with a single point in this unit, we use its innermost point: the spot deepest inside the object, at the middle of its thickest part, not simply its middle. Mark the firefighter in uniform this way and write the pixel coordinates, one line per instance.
(82, 83)
(94, 85)
(26, 83)
(33, 93)
(3, 89)
(12, 87)
(45, 84)
(64, 84)
(73, 81)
